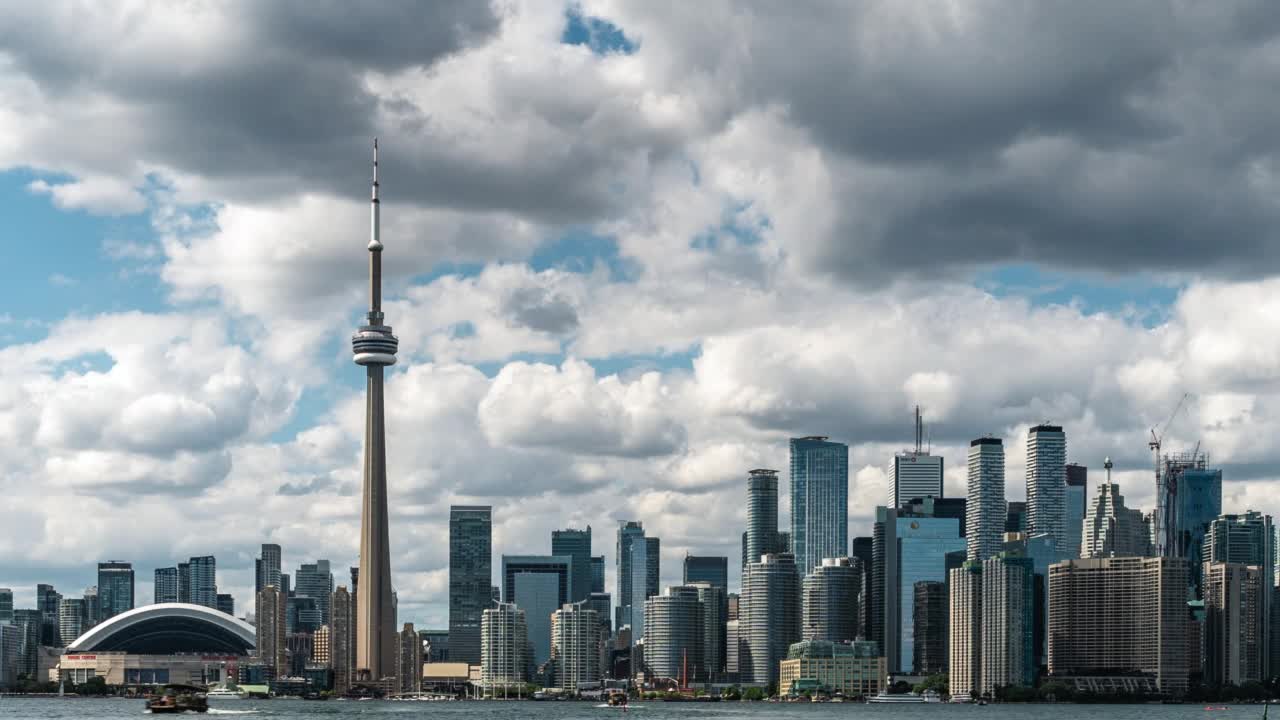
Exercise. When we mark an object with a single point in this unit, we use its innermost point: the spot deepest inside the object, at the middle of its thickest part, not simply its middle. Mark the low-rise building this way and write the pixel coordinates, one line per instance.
(853, 669)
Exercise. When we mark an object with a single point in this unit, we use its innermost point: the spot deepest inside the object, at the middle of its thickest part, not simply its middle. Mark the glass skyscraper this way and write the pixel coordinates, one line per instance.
(1047, 483)
(204, 584)
(166, 585)
(637, 576)
(115, 589)
(539, 585)
(267, 568)
(762, 514)
(6, 606)
(1077, 503)
(577, 545)
(470, 578)
(315, 580)
(597, 573)
(1199, 503)
(819, 501)
(713, 570)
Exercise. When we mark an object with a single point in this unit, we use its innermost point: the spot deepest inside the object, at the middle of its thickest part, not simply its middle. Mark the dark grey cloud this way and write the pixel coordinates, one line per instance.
(538, 309)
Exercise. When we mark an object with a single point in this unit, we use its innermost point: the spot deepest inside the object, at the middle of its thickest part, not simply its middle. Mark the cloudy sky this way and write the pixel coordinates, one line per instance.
(632, 248)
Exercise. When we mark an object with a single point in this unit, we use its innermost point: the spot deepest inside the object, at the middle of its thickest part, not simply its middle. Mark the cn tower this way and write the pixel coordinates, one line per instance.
(375, 348)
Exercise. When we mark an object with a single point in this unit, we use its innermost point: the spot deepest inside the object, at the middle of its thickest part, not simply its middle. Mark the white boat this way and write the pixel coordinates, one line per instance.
(225, 693)
(884, 697)
(931, 696)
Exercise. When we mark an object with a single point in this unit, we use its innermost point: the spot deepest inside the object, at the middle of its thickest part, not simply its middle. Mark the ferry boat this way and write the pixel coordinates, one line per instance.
(177, 699)
(222, 692)
(908, 698)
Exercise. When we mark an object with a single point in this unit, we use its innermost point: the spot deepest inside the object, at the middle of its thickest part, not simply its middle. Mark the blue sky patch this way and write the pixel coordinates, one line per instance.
(602, 36)
(1144, 297)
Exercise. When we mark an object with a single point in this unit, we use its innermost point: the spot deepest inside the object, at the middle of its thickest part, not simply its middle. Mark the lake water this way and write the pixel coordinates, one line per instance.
(43, 708)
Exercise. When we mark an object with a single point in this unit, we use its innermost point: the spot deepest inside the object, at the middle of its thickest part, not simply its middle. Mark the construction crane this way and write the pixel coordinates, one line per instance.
(1163, 499)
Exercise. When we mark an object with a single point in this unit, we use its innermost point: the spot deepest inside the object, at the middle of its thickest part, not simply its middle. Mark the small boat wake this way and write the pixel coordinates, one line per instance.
(222, 711)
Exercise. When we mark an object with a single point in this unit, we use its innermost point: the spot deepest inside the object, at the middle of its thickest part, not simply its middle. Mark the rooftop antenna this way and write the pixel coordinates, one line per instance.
(919, 430)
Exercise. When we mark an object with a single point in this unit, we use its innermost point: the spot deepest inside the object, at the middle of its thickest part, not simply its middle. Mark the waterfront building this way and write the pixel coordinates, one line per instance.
(762, 515)
(1125, 614)
(1111, 529)
(576, 643)
(435, 644)
(409, 666)
(732, 644)
(1047, 483)
(830, 600)
(115, 589)
(674, 634)
(204, 582)
(1234, 650)
(715, 607)
(929, 624)
(166, 585)
(713, 570)
(854, 669)
(1008, 622)
(1247, 539)
(374, 348)
(819, 501)
(638, 559)
(315, 580)
(907, 547)
(537, 584)
(269, 619)
(10, 644)
(342, 638)
(769, 617)
(597, 574)
(575, 544)
(504, 641)
(965, 630)
(267, 568)
(1076, 499)
(71, 615)
(986, 509)
(1043, 552)
(470, 578)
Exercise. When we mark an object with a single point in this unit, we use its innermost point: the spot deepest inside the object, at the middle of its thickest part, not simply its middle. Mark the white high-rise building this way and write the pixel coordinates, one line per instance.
(1008, 586)
(1111, 529)
(504, 647)
(965, 631)
(985, 508)
(769, 619)
(575, 646)
(674, 637)
(915, 473)
(1047, 484)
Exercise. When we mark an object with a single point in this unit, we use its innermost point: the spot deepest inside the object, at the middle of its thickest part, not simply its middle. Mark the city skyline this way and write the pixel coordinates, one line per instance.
(616, 301)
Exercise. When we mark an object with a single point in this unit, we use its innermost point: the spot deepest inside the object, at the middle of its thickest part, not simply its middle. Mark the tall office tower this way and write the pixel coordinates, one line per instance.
(204, 582)
(342, 635)
(956, 507)
(29, 623)
(819, 501)
(929, 623)
(1047, 483)
(270, 624)
(226, 604)
(1248, 539)
(863, 550)
(602, 603)
(575, 646)
(638, 568)
(470, 578)
(732, 645)
(575, 544)
(915, 473)
(267, 567)
(829, 604)
(1199, 502)
(907, 547)
(1077, 502)
(768, 617)
(715, 613)
(537, 584)
(504, 642)
(762, 514)
(115, 588)
(6, 606)
(985, 505)
(674, 633)
(374, 348)
(70, 619)
(166, 585)
(315, 581)
(409, 660)
(1128, 614)
(184, 583)
(713, 570)
(1043, 553)
(1008, 658)
(1110, 528)
(1233, 642)
(10, 652)
(91, 611)
(964, 631)
(597, 573)
(1016, 518)
(302, 614)
(48, 602)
